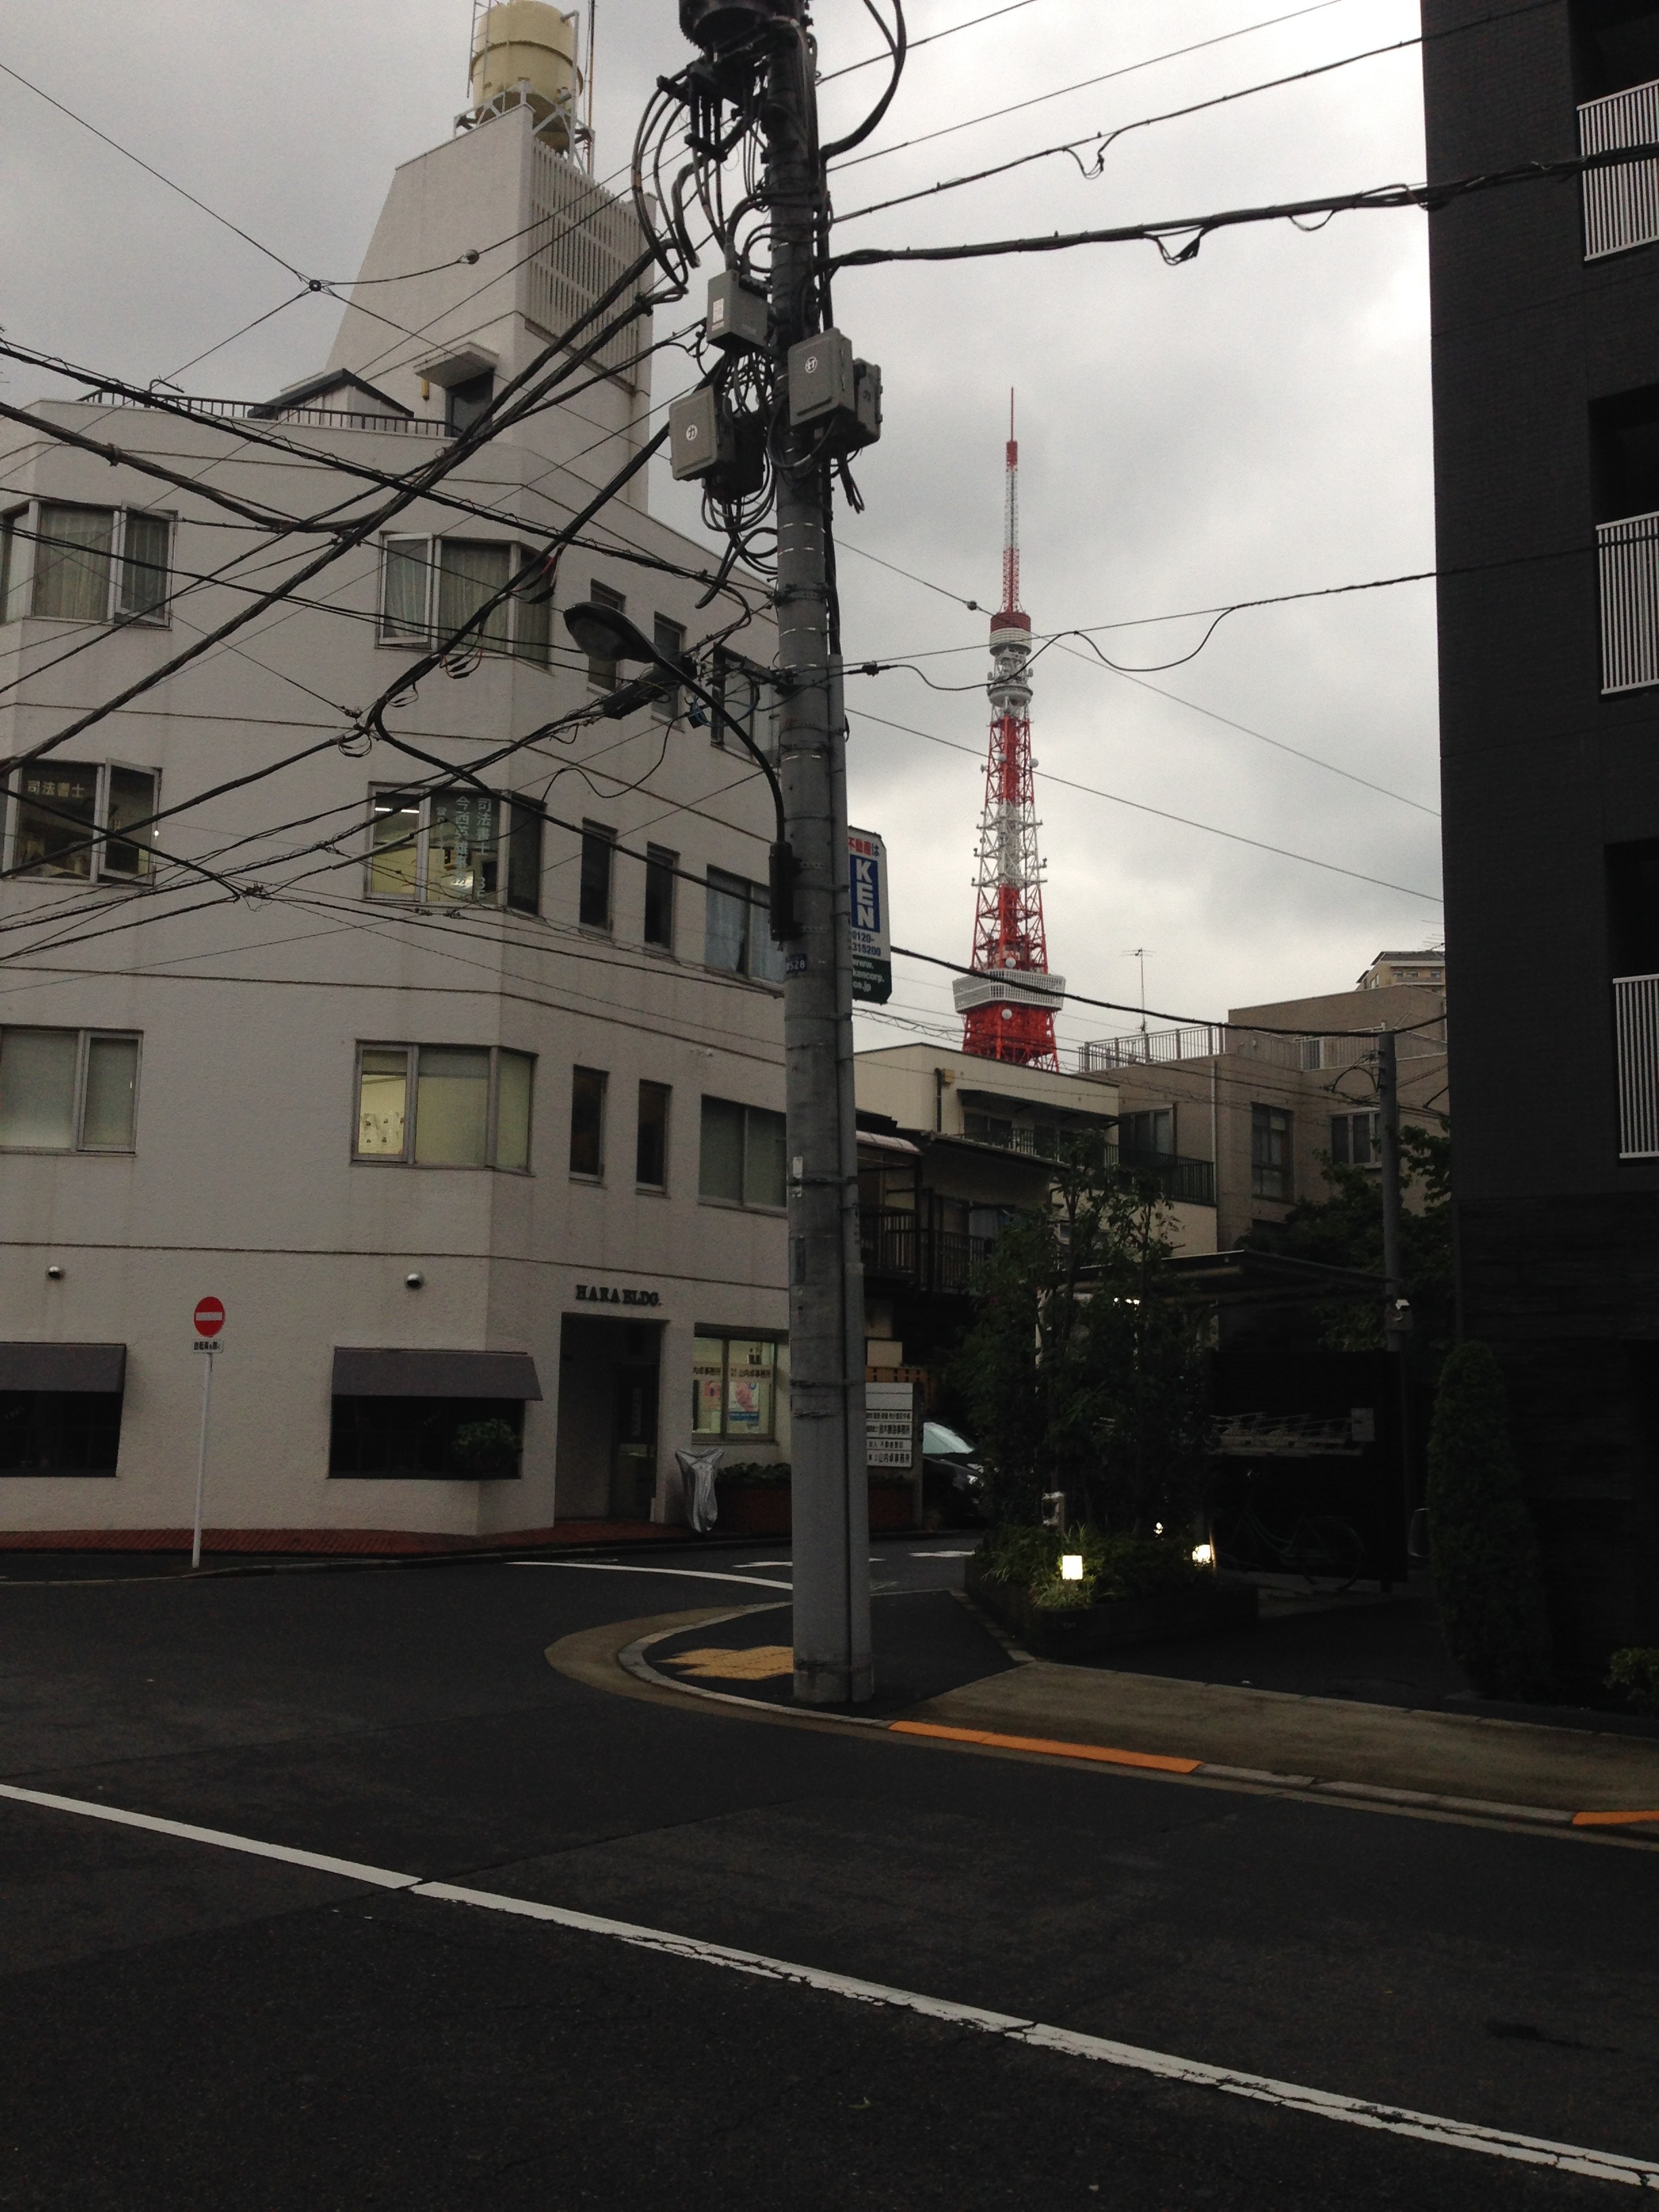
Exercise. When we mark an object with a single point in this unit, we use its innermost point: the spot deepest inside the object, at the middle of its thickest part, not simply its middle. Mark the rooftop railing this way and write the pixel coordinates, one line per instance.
(1621, 205)
(251, 410)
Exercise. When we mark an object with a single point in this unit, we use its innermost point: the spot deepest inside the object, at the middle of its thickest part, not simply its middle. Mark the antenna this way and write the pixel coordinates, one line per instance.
(1140, 952)
(1010, 522)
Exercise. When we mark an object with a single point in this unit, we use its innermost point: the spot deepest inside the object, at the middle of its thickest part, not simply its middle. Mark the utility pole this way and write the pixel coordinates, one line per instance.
(1395, 1326)
(829, 1492)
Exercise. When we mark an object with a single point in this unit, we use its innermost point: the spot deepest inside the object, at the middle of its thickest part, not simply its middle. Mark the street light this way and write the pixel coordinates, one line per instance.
(606, 634)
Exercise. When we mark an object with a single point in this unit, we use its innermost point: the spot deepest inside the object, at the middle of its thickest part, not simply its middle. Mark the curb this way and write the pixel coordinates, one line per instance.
(1583, 1826)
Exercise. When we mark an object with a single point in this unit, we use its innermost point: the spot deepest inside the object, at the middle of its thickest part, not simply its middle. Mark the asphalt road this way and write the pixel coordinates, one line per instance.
(187, 2025)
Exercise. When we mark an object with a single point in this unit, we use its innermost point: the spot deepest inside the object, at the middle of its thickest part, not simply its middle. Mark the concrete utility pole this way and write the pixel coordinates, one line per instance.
(829, 1488)
(1396, 1323)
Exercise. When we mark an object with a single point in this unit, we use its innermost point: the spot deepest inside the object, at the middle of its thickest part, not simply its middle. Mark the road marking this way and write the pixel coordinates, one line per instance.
(1153, 1758)
(688, 1574)
(941, 1555)
(1613, 1819)
(1258, 2088)
(319, 1860)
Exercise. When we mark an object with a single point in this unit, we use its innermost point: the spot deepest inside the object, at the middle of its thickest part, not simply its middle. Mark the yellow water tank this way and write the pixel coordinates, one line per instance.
(526, 42)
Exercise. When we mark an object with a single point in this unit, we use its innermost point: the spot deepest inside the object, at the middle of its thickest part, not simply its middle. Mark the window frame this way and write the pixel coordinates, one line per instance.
(527, 637)
(662, 876)
(603, 675)
(597, 837)
(658, 1185)
(116, 615)
(744, 1204)
(98, 872)
(490, 1164)
(85, 1039)
(669, 638)
(516, 817)
(602, 1081)
(755, 902)
(1342, 1154)
(727, 1337)
(1262, 1121)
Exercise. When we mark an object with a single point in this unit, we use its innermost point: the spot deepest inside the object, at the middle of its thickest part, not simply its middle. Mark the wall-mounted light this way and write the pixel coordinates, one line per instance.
(54, 1274)
(413, 1282)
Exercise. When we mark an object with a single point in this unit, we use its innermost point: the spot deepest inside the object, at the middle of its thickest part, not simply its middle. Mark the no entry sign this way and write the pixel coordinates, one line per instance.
(209, 1317)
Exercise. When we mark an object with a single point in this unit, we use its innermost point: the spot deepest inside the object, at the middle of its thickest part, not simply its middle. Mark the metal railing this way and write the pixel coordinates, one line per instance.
(1182, 1183)
(895, 1242)
(1621, 205)
(1636, 1030)
(1627, 568)
(1149, 1049)
(254, 410)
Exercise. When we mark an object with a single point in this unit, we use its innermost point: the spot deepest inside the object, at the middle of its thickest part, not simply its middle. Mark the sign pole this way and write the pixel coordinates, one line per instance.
(201, 1464)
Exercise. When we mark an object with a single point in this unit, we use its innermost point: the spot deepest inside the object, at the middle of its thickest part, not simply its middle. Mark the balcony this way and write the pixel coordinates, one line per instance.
(1621, 205)
(1636, 1028)
(896, 1242)
(1181, 1182)
(1627, 564)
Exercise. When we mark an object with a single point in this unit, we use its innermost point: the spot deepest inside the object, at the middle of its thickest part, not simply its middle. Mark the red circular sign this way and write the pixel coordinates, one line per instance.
(209, 1317)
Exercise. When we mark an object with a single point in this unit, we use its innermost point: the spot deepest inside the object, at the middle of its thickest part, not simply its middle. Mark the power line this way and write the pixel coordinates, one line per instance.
(1187, 822)
(932, 38)
(1193, 230)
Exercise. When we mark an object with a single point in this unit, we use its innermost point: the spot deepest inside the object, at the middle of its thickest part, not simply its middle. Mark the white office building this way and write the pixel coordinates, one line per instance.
(469, 1114)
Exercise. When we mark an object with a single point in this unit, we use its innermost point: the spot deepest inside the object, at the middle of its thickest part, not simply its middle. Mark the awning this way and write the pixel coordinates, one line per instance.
(95, 1369)
(1013, 1102)
(361, 1371)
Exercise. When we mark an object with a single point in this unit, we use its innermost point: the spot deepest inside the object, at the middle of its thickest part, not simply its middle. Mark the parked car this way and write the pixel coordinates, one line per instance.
(952, 1480)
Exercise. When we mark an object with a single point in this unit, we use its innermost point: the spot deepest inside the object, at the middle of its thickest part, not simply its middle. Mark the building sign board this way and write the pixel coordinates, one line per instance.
(607, 1294)
(873, 949)
(890, 1424)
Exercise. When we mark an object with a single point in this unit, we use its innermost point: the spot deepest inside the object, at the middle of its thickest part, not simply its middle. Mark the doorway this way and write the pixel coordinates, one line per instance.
(609, 1385)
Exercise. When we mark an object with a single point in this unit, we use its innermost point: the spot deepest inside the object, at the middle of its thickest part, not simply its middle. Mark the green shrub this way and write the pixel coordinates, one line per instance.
(1635, 1672)
(1483, 1547)
(1114, 1566)
(751, 1473)
(488, 1447)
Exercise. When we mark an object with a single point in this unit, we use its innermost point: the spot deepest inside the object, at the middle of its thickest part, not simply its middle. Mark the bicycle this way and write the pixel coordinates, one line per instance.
(1320, 1546)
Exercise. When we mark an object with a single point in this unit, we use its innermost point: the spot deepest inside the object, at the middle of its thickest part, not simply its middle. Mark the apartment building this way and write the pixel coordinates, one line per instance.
(1266, 1097)
(1546, 364)
(448, 1062)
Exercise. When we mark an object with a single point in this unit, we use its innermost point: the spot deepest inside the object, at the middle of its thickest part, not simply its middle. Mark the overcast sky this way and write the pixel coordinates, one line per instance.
(1254, 422)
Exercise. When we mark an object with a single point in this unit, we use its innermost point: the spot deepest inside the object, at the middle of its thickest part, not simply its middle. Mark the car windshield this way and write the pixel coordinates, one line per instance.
(937, 1438)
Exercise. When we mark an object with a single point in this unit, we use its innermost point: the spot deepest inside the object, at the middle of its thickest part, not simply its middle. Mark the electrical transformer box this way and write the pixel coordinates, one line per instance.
(822, 379)
(699, 434)
(736, 314)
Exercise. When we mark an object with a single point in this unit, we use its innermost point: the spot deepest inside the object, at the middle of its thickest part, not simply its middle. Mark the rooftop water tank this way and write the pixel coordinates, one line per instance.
(524, 43)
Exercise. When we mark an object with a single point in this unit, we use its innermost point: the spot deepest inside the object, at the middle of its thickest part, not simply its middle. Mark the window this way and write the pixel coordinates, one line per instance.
(67, 1090)
(742, 1154)
(602, 673)
(446, 848)
(1148, 1135)
(593, 898)
(444, 1106)
(650, 1151)
(734, 1387)
(1270, 1152)
(1354, 1140)
(430, 587)
(99, 564)
(1616, 44)
(9, 526)
(1625, 454)
(660, 867)
(587, 1122)
(466, 403)
(738, 938)
(669, 638)
(464, 1439)
(63, 812)
(59, 1432)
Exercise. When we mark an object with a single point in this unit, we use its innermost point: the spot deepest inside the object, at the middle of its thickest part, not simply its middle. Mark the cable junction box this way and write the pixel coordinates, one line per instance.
(710, 444)
(737, 314)
(831, 390)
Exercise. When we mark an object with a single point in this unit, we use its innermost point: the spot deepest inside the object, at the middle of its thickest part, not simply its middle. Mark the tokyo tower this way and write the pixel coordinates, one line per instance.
(1010, 1000)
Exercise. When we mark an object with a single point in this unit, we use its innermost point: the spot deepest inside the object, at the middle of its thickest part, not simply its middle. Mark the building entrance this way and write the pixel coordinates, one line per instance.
(609, 1378)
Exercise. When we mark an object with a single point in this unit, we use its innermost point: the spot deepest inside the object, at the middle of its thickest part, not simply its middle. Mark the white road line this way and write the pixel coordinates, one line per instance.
(688, 1574)
(1258, 2088)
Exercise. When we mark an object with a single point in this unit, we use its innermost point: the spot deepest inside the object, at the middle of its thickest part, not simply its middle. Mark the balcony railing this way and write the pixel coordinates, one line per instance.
(896, 1242)
(1636, 1028)
(1627, 562)
(1621, 204)
(1182, 1183)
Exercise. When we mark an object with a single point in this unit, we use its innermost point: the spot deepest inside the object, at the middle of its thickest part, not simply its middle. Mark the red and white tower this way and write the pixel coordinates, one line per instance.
(1010, 1000)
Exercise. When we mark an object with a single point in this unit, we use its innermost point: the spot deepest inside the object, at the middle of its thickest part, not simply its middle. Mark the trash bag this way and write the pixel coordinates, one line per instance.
(698, 1470)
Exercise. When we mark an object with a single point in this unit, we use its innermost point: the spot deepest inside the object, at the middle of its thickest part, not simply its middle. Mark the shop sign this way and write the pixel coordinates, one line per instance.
(890, 1424)
(607, 1294)
(871, 947)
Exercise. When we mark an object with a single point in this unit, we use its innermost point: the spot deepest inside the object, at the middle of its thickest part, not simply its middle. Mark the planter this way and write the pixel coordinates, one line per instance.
(1204, 1610)
(762, 1509)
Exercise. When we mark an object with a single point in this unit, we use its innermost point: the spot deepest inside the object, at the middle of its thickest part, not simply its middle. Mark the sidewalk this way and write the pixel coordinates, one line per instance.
(943, 1670)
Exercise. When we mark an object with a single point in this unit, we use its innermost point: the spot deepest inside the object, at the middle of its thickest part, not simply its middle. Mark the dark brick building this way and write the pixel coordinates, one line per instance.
(1545, 307)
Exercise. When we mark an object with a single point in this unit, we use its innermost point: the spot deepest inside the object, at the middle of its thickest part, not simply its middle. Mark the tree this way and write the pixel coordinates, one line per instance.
(1081, 1373)
(1345, 1231)
(1483, 1547)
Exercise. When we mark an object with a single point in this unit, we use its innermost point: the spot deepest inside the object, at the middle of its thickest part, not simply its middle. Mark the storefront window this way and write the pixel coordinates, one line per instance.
(734, 1385)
